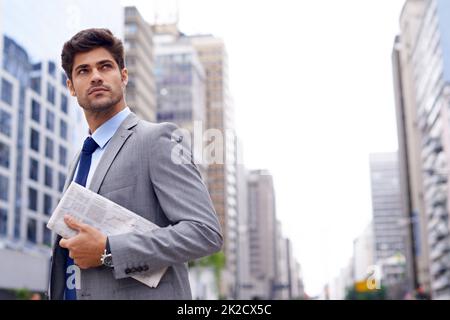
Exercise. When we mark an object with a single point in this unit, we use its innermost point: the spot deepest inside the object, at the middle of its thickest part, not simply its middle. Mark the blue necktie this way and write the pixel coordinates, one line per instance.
(89, 146)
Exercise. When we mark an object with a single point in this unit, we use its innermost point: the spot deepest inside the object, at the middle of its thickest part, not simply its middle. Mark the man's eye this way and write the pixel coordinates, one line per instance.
(106, 66)
(81, 71)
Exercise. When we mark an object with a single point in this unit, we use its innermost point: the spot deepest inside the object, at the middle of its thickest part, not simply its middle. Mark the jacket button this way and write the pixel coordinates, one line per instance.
(127, 270)
(133, 269)
(140, 269)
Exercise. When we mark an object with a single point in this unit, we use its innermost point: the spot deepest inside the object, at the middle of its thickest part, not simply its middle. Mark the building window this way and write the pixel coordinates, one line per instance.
(50, 123)
(32, 199)
(62, 156)
(50, 93)
(31, 230)
(35, 111)
(61, 181)
(47, 204)
(47, 235)
(35, 84)
(34, 169)
(63, 129)
(3, 221)
(7, 91)
(52, 68)
(4, 155)
(64, 103)
(34, 140)
(130, 28)
(48, 176)
(49, 148)
(5, 123)
(37, 66)
(63, 79)
(4, 186)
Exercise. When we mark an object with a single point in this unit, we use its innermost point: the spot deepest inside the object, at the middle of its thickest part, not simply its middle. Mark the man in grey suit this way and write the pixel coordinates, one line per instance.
(131, 162)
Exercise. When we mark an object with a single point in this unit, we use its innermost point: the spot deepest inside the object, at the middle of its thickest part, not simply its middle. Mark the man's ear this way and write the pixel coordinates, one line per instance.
(124, 75)
(70, 87)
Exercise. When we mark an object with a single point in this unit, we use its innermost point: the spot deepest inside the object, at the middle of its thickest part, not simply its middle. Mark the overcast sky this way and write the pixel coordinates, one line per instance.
(311, 82)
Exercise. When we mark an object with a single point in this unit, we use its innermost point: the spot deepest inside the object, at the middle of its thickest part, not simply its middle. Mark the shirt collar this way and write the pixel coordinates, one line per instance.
(105, 132)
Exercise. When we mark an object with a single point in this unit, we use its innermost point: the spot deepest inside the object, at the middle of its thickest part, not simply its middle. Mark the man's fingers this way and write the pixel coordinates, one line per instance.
(64, 243)
(70, 254)
(73, 223)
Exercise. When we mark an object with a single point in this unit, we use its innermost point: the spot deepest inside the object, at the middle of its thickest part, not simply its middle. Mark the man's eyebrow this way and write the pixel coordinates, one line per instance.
(104, 61)
(81, 66)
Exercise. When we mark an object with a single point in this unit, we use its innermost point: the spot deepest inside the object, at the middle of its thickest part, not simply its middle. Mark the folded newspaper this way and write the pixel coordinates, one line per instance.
(101, 213)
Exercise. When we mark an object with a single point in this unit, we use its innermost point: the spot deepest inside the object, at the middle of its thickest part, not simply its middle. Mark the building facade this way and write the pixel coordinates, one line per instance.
(262, 234)
(389, 234)
(221, 146)
(409, 142)
(35, 120)
(181, 90)
(140, 62)
(425, 49)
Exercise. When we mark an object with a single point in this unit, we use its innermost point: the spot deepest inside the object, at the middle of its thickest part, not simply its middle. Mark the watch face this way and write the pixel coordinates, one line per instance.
(107, 261)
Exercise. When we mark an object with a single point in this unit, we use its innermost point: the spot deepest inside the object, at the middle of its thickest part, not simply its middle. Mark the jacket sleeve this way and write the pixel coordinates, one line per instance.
(183, 197)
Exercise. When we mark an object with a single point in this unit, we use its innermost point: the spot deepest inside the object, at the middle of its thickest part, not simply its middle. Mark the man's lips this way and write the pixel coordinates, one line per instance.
(94, 90)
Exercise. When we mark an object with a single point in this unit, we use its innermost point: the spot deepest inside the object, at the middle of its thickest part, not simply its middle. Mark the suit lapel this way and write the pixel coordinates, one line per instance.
(112, 149)
(72, 168)
(69, 179)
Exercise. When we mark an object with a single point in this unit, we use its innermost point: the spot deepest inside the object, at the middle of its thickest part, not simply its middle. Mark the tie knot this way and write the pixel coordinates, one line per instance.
(89, 145)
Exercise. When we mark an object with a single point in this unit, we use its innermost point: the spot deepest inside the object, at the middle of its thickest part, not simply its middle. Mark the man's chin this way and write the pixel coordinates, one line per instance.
(100, 107)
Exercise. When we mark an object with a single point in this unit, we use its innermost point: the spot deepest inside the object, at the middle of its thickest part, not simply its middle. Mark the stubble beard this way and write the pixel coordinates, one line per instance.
(98, 108)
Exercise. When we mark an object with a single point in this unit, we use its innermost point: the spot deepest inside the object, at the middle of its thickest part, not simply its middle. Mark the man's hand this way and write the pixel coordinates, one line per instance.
(87, 247)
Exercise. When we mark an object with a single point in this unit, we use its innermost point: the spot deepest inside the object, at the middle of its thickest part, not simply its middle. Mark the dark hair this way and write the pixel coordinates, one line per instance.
(87, 40)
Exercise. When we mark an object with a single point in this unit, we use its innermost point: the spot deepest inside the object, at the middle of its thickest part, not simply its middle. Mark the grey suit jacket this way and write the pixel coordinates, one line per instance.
(137, 172)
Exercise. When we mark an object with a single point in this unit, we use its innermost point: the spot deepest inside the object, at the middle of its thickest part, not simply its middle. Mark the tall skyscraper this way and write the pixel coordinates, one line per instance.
(35, 122)
(288, 283)
(262, 233)
(409, 142)
(388, 229)
(140, 62)
(180, 82)
(222, 181)
(243, 275)
(424, 63)
(281, 282)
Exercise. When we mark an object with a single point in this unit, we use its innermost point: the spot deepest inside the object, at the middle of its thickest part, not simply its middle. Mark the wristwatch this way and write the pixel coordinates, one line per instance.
(106, 258)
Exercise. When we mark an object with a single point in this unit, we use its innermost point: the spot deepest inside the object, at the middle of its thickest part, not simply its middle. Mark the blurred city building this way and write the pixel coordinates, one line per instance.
(409, 147)
(389, 236)
(222, 179)
(342, 283)
(262, 233)
(422, 78)
(243, 282)
(140, 62)
(181, 91)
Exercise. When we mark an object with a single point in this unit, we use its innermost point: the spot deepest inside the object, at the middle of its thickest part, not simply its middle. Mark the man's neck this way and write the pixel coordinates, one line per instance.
(96, 119)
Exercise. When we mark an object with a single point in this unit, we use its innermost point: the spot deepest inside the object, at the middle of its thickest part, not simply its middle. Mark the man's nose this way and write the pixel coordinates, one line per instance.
(96, 76)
